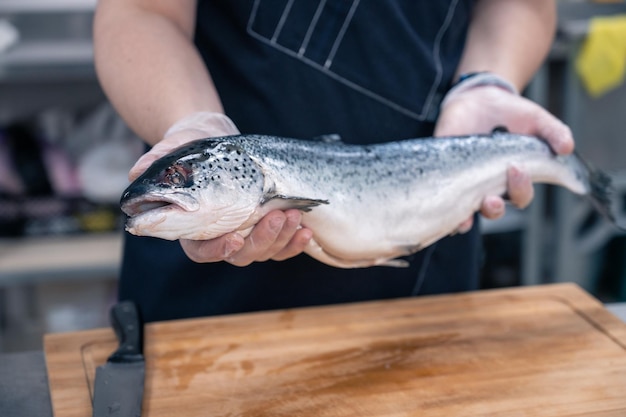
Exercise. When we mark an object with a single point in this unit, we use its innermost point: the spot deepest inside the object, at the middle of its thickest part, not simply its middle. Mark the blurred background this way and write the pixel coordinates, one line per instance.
(65, 154)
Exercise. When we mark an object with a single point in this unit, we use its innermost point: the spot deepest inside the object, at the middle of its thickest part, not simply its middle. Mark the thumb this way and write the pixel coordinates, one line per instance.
(451, 122)
(168, 144)
(141, 165)
(159, 150)
(554, 131)
(198, 125)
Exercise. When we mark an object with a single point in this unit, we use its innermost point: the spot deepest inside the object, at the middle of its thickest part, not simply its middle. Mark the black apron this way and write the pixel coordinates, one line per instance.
(368, 70)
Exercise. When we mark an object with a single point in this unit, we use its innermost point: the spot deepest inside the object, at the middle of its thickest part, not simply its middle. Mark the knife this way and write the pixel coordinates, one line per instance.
(119, 382)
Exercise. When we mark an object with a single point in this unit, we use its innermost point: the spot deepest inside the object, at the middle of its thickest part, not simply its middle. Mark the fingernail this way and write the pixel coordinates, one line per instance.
(294, 216)
(228, 251)
(517, 174)
(515, 171)
(463, 229)
(233, 244)
(276, 224)
(496, 206)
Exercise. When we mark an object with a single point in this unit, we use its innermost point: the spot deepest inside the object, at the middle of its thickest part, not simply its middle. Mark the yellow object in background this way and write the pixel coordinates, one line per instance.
(601, 63)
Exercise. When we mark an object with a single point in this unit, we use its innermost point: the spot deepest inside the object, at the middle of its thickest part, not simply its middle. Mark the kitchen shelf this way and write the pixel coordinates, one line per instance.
(42, 53)
(38, 259)
(46, 6)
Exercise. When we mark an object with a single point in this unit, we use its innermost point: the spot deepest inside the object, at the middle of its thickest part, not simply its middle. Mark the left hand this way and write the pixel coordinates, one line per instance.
(482, 108)
(276, 236)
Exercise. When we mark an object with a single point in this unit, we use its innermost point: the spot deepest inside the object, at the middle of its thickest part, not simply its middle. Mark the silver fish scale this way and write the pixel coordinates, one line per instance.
(331, 166)
(215, 163)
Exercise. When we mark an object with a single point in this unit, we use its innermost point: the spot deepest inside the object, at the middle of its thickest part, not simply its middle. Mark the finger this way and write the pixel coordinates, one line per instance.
(289, 229)
(213, 250)
(555, 132)
(141, 165)
(519, 187)
(161, 149)
(466, 226)
(295, 246)
(451, 122)
(260, 240)
(493, 207)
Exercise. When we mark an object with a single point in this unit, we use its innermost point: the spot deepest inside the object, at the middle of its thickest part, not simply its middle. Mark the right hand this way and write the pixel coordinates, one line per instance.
(276, 236)
(476, 109)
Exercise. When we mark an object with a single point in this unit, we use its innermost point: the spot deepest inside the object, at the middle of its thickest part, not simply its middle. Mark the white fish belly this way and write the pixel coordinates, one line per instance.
(385, 224)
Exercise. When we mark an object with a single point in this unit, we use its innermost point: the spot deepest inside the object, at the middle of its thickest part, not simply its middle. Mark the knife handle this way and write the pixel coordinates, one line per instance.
(128, 327)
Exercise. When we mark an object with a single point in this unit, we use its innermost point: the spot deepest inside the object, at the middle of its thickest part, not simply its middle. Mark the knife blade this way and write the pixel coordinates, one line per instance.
(118, 390)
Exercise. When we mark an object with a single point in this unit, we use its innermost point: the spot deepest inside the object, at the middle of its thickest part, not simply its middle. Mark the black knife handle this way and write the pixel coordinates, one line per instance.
(128, 326)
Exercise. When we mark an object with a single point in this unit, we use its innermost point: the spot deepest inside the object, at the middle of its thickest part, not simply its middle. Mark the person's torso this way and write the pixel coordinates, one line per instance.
(369, 70)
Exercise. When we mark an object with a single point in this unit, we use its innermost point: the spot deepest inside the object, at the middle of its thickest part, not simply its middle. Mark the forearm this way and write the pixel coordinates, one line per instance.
(148, 65)
(510, 38)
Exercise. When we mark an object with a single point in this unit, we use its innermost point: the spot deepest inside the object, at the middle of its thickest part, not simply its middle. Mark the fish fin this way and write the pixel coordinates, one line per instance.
(396, 263)
(314, 250)
(284, 202)
(232, 219)
(600, 191)
(329, 138)
(411, 249)
(400, 263)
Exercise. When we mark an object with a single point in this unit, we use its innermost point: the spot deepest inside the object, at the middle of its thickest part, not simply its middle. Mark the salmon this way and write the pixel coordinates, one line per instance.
(366, 204)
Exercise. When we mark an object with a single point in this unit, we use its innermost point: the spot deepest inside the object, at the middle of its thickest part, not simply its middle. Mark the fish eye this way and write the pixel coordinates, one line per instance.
(175, 175)
(175, 178)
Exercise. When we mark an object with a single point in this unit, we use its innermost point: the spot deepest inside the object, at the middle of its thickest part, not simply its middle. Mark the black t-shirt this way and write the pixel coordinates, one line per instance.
(368, 70)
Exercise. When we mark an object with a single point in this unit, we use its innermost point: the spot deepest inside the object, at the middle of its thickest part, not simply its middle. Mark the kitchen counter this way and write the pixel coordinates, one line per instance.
(24, 384)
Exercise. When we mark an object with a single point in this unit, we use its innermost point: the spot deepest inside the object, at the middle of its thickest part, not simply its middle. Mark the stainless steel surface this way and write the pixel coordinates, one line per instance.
(43, 6)
(24, 388)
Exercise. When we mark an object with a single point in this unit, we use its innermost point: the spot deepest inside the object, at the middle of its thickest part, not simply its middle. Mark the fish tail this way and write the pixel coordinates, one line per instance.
(600, 189)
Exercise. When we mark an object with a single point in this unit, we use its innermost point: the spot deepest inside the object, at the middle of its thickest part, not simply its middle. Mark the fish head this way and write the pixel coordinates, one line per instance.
(200, 191)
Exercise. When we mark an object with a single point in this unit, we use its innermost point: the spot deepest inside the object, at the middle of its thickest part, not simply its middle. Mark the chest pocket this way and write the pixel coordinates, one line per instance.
(400, 53)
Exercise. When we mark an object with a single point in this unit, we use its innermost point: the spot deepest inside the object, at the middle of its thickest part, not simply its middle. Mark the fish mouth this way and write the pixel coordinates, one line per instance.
(148, 203)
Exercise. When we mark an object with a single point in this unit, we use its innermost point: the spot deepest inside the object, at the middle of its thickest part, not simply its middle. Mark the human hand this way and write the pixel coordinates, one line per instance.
(276, 236)
(479, 108)
(198, 125)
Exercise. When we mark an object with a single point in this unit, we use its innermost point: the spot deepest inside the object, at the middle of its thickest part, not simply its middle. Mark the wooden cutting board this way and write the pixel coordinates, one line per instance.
(532, 351)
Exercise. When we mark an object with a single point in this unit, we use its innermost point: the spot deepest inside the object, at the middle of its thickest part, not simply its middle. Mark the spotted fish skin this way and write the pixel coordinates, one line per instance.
(366, 204)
